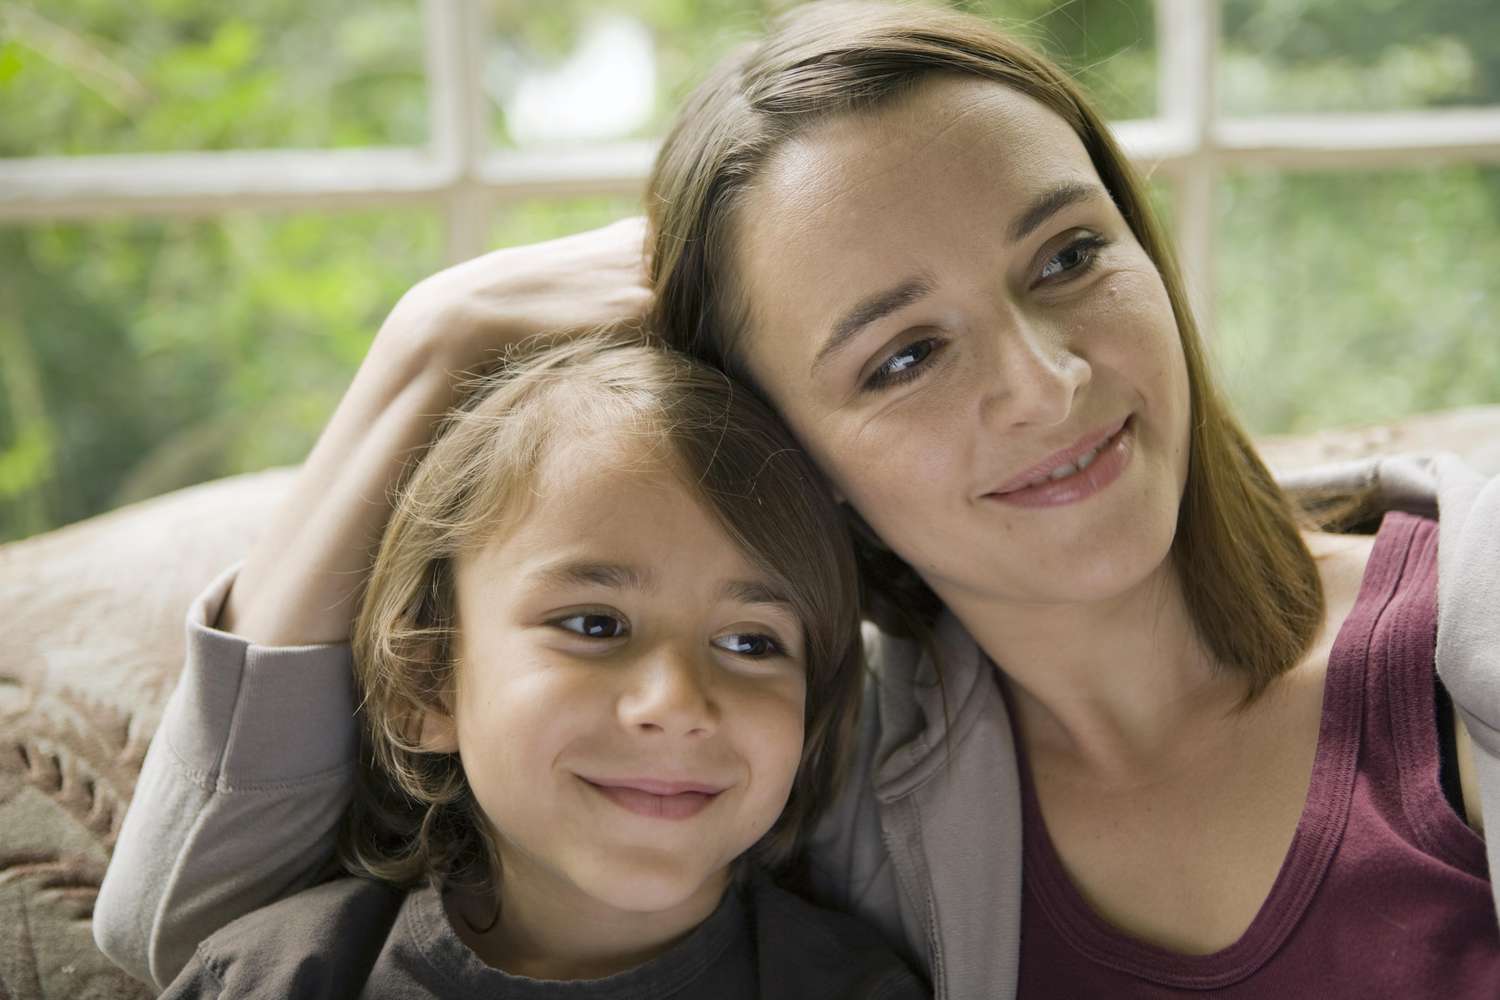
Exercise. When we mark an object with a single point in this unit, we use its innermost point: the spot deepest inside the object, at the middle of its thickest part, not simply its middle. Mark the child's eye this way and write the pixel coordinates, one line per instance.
(593, 626)
(750, 644)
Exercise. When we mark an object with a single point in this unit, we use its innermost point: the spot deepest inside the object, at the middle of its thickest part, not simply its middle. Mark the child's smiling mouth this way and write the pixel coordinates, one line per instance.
(656, 798)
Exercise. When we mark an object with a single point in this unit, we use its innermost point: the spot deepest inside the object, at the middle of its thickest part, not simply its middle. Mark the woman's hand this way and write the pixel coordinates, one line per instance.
(566, 286)
(301, 582)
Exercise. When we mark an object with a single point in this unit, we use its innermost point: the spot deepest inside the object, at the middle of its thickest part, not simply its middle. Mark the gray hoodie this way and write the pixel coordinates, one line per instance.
(242, 789)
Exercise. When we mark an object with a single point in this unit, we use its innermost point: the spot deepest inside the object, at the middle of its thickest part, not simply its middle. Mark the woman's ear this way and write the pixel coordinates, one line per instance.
(436, 732)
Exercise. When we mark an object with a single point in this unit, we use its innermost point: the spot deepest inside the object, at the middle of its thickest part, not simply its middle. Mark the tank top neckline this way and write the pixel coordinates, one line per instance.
(1319, 830)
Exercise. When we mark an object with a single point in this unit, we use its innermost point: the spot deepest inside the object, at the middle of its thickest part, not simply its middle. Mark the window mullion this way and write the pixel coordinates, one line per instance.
(1188, 49)
(456, 33)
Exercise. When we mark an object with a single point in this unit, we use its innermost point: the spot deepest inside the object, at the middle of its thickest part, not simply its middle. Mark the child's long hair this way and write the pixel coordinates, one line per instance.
(413, 816)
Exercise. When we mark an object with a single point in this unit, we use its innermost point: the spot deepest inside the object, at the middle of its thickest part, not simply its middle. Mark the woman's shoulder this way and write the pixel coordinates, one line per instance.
(1342, 560)
(1365, 570)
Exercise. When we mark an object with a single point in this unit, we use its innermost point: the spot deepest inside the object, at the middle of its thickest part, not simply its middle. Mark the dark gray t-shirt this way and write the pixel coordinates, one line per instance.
(357, 938)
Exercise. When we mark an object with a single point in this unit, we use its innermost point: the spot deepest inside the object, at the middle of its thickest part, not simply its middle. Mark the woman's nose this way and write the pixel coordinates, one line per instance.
(1033, 377)
(669, 693)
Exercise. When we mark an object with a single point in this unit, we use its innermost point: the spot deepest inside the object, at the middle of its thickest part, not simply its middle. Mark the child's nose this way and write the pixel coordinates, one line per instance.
(670, 693)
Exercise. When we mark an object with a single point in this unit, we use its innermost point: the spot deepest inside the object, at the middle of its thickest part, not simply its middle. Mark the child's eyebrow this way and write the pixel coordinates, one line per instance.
(599, 574)
(620, 576)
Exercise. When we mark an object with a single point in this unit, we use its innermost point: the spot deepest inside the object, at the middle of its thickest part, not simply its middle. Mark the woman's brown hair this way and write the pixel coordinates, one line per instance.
(1250, 583)
(413, 816)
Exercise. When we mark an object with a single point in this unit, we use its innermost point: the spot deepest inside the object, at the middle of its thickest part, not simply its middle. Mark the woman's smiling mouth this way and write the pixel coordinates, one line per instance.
(1073, 474)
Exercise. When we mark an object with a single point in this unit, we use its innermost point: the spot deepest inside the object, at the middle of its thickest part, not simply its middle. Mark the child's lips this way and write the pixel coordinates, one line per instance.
(657, 798)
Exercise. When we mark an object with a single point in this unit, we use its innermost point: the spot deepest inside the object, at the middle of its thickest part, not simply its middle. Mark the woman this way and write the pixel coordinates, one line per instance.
(920, 244)
(917, 240)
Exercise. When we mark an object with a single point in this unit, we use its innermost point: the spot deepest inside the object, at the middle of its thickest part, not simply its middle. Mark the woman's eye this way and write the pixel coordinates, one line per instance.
(1077, 256)
(593, 626)
(904, 364)
(750, 644)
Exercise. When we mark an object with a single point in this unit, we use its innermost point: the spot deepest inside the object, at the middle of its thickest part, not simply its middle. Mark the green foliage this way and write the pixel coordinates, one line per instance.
(139, 356)
(1358, 299)
(103, 76)
(1358, 55)
(539, 220)
(1110, 44)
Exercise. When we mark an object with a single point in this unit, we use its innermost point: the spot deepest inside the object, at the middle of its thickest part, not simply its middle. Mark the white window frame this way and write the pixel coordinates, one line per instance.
(1188, 142)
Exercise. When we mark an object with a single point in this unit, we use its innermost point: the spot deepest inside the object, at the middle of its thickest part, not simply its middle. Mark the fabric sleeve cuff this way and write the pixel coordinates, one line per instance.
(246, 715)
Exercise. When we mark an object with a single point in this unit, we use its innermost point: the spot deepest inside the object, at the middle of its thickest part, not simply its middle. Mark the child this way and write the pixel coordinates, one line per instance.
(610, 662)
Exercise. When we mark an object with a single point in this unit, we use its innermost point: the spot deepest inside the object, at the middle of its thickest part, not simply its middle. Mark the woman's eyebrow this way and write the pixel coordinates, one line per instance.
(1048, 204)
(867, 311)
(755, 592)
(882, 304)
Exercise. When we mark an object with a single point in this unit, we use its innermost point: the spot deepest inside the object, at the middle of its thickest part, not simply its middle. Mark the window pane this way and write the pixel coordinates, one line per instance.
(139, 357)
(103, 76)
(1108, 45)
(539, 219)
(1357, 298)
(1163, 193)
(576, 71)
(1358, 55)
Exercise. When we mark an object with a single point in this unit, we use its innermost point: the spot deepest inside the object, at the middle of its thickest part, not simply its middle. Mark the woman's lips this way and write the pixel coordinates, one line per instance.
(1112, 458)
(1041, 470)
(657, 799)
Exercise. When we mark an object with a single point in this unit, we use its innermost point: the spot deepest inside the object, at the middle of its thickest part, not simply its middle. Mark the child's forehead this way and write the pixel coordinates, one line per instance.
(611, 450)
(602, 480)
(605, 498)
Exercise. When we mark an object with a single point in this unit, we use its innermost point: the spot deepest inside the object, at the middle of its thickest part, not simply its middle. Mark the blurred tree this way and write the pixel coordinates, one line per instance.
(1358, 55)
(104, 76)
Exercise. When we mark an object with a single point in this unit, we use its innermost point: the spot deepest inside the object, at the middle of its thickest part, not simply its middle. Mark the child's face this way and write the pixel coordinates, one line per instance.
(630, 690)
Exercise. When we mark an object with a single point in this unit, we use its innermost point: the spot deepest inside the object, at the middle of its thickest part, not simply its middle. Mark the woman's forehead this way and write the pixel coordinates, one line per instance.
(904, 187)
(1003, 135)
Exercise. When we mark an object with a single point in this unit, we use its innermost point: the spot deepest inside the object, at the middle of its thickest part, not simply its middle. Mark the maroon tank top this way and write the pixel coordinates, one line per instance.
(1384, 891)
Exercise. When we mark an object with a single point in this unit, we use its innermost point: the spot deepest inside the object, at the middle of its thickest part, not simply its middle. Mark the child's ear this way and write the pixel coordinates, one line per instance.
(436, 731)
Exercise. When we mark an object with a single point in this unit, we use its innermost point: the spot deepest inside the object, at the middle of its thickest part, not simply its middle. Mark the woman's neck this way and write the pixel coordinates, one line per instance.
(547, 928)
(1117, 687)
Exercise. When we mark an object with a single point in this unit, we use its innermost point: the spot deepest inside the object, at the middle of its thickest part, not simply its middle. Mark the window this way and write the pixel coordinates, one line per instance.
(205, 211)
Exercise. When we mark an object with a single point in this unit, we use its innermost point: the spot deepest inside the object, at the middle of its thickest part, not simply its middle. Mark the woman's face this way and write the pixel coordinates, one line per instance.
(946, 306)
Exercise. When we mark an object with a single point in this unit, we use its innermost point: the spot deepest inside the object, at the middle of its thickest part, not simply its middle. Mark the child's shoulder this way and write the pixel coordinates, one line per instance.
(806, 950)
(321, 939)
(352, 903)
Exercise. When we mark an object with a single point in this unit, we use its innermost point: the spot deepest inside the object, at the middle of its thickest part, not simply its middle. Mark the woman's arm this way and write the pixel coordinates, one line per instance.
(301, 583)
(240, 796)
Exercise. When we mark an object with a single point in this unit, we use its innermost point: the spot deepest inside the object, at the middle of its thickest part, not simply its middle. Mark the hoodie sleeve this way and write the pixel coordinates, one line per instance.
(1468, 647)
(239, 798)
(849, 863)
